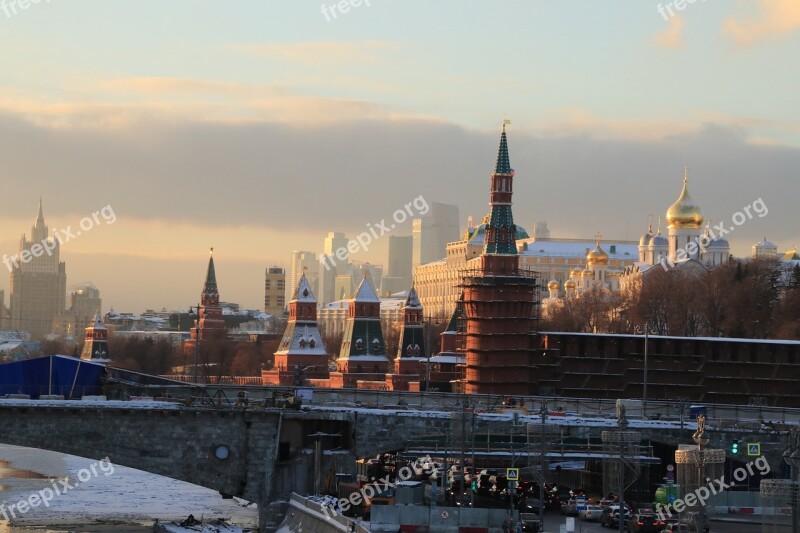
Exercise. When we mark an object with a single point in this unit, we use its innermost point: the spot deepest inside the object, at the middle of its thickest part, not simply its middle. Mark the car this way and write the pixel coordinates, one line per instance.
(530, 522)
(610, 516)
(645, 523)
(591, 513)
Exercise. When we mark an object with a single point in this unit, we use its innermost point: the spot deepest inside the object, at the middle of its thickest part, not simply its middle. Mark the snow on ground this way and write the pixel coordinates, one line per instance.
(125, 495)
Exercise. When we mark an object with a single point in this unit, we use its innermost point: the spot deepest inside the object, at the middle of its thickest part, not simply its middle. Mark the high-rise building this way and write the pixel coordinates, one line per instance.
(85, 302)
(275, 291)
(332, 263)
(38, 281)
(399, 271)
(432, 232)
(303, 264)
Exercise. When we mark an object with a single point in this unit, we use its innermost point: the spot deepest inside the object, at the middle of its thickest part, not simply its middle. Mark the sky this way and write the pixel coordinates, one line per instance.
(257, 126)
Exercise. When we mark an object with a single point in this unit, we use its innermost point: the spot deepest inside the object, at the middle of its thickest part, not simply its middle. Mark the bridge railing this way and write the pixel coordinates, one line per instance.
(722, 416)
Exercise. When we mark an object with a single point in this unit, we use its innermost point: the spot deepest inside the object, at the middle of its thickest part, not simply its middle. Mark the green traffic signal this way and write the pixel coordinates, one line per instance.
(735, 447)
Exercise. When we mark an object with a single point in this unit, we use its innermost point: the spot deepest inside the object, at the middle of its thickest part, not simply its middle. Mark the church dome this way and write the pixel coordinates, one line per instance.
(552, 285)
(684, 213)
(570, 284)
(645, 239)
(478, 234)
(659, 241)
(597, 256)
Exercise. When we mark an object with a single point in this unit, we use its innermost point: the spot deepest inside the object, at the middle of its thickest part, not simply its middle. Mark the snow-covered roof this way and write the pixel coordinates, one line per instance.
(365, 358)
(303, 293)
(365, 292)
(564, 248)
(452, 359)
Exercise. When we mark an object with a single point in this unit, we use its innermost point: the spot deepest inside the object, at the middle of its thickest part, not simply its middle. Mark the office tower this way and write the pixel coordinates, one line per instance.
(399, 272)
(38, 281)
(275, 291)
(332, 263)
(432, 232)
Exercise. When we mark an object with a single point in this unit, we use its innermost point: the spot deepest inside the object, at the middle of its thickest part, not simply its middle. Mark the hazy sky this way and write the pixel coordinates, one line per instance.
(258, 126)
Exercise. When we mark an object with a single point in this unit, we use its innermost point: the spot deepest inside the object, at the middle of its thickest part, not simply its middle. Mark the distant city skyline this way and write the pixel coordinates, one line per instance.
(258, 130)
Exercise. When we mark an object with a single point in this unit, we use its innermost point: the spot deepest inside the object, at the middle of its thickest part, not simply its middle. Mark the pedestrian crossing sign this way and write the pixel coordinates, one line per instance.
(754, 449)
(512, 474)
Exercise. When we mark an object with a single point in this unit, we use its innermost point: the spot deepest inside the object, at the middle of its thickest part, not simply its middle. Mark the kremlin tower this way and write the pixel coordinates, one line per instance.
(209, 325)
(412, 351)
(95, 347)
(362, 361)
(500, 301)
(301, 353)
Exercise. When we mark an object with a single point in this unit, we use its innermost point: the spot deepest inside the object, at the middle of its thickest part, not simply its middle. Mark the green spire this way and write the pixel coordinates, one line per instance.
(503, 165)
(210, 286)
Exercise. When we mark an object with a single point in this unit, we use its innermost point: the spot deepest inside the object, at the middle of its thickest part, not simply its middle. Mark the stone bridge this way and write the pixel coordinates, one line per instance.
(262, 454)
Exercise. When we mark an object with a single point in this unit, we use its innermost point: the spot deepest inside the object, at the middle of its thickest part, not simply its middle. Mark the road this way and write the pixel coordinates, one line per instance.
(552, 522)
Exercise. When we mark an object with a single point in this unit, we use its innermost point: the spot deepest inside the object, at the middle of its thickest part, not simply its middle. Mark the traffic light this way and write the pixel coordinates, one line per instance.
(735, 447)
(474, 485)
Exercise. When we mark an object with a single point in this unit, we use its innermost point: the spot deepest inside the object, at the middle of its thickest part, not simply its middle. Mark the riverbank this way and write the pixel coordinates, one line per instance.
(101, 496)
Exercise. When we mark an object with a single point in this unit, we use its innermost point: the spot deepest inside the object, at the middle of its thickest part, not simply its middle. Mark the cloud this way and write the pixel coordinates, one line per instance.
(772, 19)
(671, 37)
(319, 54)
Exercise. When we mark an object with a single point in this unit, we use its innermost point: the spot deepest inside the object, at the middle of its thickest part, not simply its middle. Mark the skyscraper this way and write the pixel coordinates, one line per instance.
(332, 263)
(432, 232)
(275, 291)
(398, 275)
(38, 281)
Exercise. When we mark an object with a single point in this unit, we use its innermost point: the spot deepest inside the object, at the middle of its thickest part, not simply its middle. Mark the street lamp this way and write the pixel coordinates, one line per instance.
(196, 337)
(429, 321)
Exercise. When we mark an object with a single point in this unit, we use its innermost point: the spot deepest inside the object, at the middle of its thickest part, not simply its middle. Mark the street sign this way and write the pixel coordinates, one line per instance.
(512, 474)
(754, 449)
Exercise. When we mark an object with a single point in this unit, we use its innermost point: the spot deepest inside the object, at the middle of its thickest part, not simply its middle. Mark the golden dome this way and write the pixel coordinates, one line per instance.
(570, 284)
(597, 256)
(553, 284)
(684, 213)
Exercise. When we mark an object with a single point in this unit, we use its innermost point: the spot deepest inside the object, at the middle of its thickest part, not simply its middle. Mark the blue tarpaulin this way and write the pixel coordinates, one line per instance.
(55, 374)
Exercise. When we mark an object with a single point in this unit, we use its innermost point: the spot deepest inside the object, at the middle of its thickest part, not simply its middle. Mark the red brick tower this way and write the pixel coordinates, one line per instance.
(412, 351)
(95, 347)
(209, 326)
(500, 300)
(301, 354)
